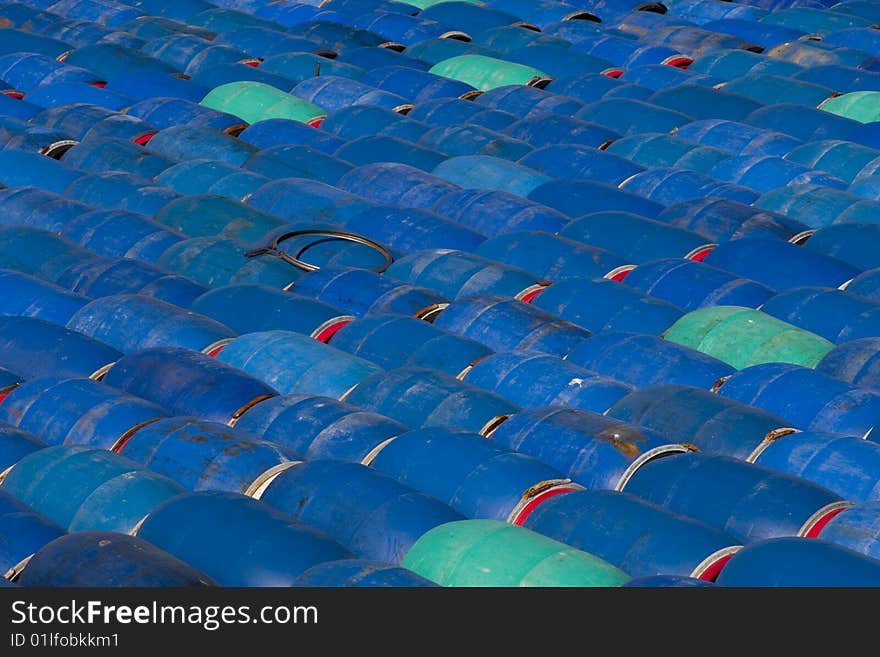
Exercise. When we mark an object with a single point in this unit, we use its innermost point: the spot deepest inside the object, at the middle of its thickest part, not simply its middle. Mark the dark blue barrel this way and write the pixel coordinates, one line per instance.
(474, 140)
(299, 66)
(856, 528)
(255, 545)
(865, 285)
(638, 537)
(333, 92)
(294, 161)
(364, 120)
(360, 292)
(414, 84)
(667, 581)
(839, 158)
(818, 206)
(56, 480)
(845, 465)
(837, 315)
(31, 206)
(505, 324)
(390, 182)
(636, 238)
(721, 220)
(656, 78)
(101, 154)
(419, 397)
(168, 376)
(738, 138)
(654, 150)
(571, 197)
(189, 142)
(39, 252)
(168, 112)
(206, 455)
(537, 380)
(715, 424)
(789, 562)
(572, 161)
(293, 362)
(471, 474)
(780, 265)
(755, 503)
(600, 304)
(76, 411)
(108, 559)
(320, 427)
(22, 168)
(15, 444)
(850, 242)
(299, 199)
(595, 450)
(121, 503)
(120, 191)
(766, 172)
(731, 64)
(547, 129)
(132, 322)
(392, 340)
(491, 212)
(121, 234)
(704, 102)
(646, 360)
(21, 41)
(552, 258)
(806, 398)
(455, 111)
(14, 107)
(381, 148)
(203, 176)
(24, 531)
(350, 573)
(24, 71)
(522, 100)
(247, 308)
(668, 186)
(592, 87)
(34, 347)
(381, 520)
(802, 122)
(274, 132)
(690, 285)
(631, 116)
(139, 85)
(26, 296)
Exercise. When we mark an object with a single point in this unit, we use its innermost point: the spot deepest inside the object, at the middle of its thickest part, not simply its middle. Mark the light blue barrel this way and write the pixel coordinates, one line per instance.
(666, 582)
(656, 150)
(414, 84)
(26, 296)
(732, 64)
(594, 450)
(668, 186)
(714, 424)
(391, 182)
(320, 427)
(190, 142)
(474, 140)
(255, 546)
(802, 122)
(370, 513)
(837, 315)
(525, 100)
(101, 154)
(392, 340)
(551, 257)
(295, 161)
(531, 380)
(471, 474)
(293, 362)
(115, 190)
(121, 234)
(705, 102)
(24, 531)
(791, 562)
(780, 265)
(210, 214)
(505, 324)
(690, 285)
(299, 200)
(839, 158)
(855, 362)
(600, 304)
(351, 573)
(818, 206)
(491, 212)
(806, 398)
(76, 411)
(769, 89)
(638, 537)
(738, 138)
(487, 172)
(754, 503)
(167, 376)
(203, 176)
(547, 129)
(767, 172)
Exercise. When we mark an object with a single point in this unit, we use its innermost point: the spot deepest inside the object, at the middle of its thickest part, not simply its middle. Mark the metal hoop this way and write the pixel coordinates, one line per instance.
(273, 249)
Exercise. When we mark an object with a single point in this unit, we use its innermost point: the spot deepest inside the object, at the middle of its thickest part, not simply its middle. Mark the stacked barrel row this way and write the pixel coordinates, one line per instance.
(439, 293)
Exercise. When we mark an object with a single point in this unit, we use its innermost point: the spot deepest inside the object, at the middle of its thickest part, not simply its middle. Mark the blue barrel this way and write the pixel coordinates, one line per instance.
(769, 89)
(702, 102)
(414, 84)
(24, 532)
(865, 285)
(26, 296)
(690, 285)
(571, 197)
(381, 148)
(333, 92)
(167, 377)
(202, 176)
(531, 380)
(54, 481)
(410, 229)
(830, 405)
(456, 111)
(101, 154)
(654, 150)
(286, 161)
(818, 206)
(738, 138)
(21, 41)
(39, 252)
(721, 220)
(273, 132)
(600, 304)
(76, 411)
(856, 528)
(15, 444)
(668, 186)
(300, 199)
(22, 168)
(493, 212)
(420, 397)
(631, 116)
(320, 427)
(299, 66)
(121, 234)
(638, 537)
(263, 41)
(17, 108)
(766, 172)
(855, 362)
(836, 315)
(108, 559)
(168, 112)
(790, 562)
(571, 161)
(487, 172)
(667, 581)
(140, 85)
(35, 207)
(391, 340)
(754, 504)
(121, 503)
(293, 362)
(381, 521)
(849, 242)
(65, 93)
(523, 100)
(24, 71)
(732, 64)
(364, 120)
(132, 322)
(120, 191)
(802, 122)
(505, 324)
(360, 292)
(548, 129)
(206, 455)
(594, 450)
(715, 424)
(553, 258)
(780, 265)
(210, 214)
(471, 474)
(35, 347)
(474, 140)
(368, 57)
(350, 573)
(189, 142)
(839, 158)
(265, 548)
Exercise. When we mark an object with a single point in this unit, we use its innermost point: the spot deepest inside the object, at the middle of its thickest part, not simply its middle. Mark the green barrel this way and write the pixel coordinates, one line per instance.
(255, 101)
(485, 73)
(862, 106)
(493, 553)
(742, 337)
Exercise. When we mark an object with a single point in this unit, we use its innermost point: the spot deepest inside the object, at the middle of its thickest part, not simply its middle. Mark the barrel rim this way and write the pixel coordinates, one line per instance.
(373, 453)
(801, 238)
(101, 372)
(530, 293)
(655, 453)
(258, 486)
(326, 330)
(236, 416)
(214, 349)
(432, 312)
(15, 571)
(769, 439)
(536, 495)
(492, 425)
(618, 274)
(710, 567)
(814, 525)
(120, 442)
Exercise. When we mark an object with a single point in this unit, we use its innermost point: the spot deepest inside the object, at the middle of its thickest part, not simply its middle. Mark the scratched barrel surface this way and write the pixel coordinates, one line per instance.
(15, 444)
(350, 573)
(24, 531)
(838, 315)
(857, 528)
